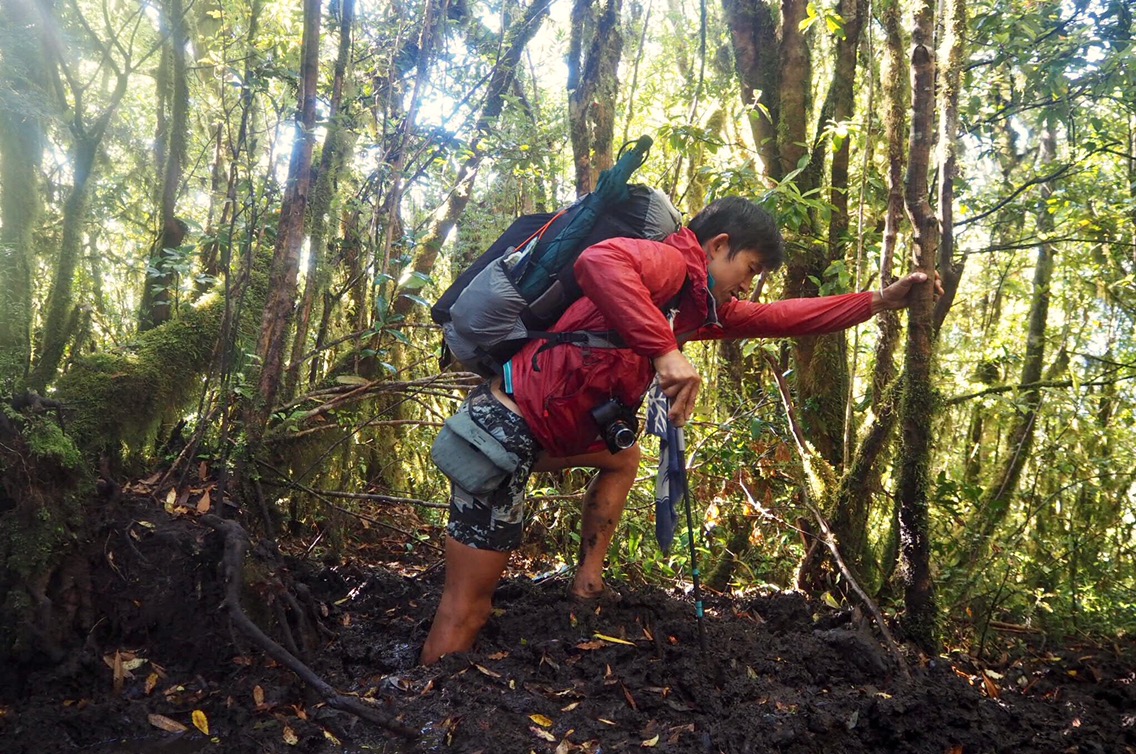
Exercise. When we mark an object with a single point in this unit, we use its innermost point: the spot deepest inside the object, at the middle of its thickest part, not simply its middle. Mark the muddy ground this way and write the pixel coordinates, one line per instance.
(778, 673)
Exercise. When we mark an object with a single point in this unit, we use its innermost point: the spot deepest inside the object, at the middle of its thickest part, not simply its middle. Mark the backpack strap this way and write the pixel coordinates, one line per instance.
(597, 339)
(580, 338)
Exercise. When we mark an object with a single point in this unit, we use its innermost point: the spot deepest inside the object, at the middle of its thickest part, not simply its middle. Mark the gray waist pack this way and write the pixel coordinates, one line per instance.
(470, 456)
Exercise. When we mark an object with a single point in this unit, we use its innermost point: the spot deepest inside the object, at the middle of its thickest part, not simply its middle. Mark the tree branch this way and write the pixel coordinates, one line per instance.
(828, 537)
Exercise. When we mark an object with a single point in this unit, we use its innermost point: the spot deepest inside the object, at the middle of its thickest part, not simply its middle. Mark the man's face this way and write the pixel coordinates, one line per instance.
(733, 276)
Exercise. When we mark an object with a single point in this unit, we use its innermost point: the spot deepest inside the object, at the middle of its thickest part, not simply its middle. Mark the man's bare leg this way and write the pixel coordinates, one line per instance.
(467, 599)
(603, 504)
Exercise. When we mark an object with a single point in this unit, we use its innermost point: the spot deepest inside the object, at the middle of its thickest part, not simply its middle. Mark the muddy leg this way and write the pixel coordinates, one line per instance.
(603, 504)
(467, 599)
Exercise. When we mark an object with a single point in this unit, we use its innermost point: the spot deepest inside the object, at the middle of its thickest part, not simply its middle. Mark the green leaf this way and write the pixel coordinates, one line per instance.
(418, 300)
(413, 281)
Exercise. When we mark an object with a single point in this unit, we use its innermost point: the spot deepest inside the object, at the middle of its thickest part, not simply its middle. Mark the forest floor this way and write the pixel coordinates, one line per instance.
(778, 673)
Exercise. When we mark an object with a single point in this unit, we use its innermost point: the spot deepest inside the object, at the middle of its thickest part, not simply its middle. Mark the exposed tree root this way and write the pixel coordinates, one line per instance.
(236, 544)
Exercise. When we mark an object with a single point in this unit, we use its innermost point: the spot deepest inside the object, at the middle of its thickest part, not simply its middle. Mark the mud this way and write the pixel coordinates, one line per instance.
(777, 673)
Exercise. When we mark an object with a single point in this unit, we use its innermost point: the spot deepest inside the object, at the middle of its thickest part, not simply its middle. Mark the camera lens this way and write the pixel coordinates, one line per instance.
(621, 435)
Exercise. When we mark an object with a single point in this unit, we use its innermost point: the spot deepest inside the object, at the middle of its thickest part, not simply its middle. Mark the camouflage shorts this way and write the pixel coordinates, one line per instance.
(494, 521)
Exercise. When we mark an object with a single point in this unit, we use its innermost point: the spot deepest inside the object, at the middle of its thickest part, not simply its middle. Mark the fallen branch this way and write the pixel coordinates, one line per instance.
(236, 543)
(827, 536)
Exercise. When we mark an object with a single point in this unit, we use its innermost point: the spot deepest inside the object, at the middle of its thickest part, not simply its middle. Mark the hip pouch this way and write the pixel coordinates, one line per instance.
(471, 457)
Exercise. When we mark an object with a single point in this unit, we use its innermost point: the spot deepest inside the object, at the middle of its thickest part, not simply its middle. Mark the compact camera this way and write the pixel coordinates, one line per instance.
(619, 426)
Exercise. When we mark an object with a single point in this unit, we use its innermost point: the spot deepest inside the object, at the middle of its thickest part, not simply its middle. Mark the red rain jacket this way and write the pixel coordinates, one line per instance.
(626, 282)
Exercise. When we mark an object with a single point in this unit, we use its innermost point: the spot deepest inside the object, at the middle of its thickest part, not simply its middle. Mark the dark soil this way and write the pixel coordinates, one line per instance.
(778, 673)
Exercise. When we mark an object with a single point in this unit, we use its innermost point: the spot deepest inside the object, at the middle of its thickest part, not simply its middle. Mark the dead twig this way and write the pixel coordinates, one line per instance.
(827, 535)
(236, 544)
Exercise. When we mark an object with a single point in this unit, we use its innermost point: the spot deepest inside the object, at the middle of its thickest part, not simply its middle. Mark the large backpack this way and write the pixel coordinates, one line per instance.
(523, 283)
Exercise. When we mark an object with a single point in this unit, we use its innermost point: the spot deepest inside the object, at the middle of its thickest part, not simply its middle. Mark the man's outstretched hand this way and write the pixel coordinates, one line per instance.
(898, 294)
(680, 381)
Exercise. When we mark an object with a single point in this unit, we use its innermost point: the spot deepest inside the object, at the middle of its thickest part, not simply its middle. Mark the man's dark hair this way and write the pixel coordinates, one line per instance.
(748, 226)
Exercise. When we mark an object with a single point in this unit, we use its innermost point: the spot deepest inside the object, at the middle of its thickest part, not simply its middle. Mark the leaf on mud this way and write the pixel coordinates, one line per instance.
(164, 723)
(171, 499)
(258, 695)
(541, 720)
(151, 683)
(119, 672)
(988, 684)
(605, 721)
(588, 646)
(487, 671)
(612, 639)
(564, 747)
(290, 736)
(570, 707)
(652, 741)
(542, 734)
(200, 721)
(132, 664)
(630, 699)
(328, 735)
(203, 503)
(498, 655)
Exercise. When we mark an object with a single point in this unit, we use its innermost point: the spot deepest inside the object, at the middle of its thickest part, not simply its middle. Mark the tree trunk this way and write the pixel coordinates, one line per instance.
(160, 284)
(821, 361)
(753, 34)
(86, 139)
(917, 403)
(217, 254)
(290, 231)
(996, 500)
(56, 329)
(950, 271)
(21, 201)
(337, 150)
(592, 85)
(850, 526)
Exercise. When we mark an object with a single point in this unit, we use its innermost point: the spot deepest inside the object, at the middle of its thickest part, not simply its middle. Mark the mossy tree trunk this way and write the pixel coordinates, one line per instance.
(285, 268)
(159, 286)
(917, 404)
(753, 35)
(853, 502)
(21, 203)
(337, 149)
(87, 135)
(595, 48)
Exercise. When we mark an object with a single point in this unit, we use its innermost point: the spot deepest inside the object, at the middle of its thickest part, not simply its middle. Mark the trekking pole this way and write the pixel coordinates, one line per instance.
(697, 577)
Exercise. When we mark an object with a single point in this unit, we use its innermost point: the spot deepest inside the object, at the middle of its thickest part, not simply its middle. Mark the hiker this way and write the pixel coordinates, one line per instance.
(568, 405)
